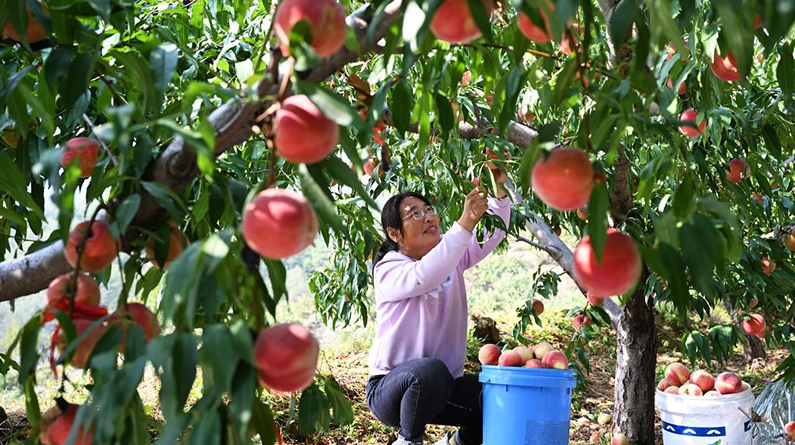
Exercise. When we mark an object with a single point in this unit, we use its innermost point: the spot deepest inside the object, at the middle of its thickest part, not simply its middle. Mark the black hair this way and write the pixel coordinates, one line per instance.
(390, 217)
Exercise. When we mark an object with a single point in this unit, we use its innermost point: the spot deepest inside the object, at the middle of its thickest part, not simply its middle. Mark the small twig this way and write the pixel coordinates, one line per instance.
(101, 142)
(547, 249)
(112, 90)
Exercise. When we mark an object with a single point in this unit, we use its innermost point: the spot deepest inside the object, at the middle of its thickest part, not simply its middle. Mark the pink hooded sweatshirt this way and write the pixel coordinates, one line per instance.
(421, 306)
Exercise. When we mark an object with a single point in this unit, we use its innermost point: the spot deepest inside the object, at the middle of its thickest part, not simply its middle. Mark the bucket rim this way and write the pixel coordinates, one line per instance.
(527, 377)
(705, 400)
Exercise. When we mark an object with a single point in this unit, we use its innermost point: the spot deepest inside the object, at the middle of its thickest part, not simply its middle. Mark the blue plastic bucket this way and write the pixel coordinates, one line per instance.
(526, 406)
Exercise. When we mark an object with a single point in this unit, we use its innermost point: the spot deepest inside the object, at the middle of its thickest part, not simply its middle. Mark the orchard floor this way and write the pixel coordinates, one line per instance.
(350, 371)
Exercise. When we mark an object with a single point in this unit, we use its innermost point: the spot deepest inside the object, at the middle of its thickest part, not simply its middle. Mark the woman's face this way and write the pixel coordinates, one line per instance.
(420, 235)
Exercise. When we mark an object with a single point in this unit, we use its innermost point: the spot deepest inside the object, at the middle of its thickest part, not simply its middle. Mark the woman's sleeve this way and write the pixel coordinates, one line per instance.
(475, 251)
(399, 278)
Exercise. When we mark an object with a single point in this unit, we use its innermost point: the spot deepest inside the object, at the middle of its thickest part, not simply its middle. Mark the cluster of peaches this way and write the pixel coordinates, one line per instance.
(678, 380)
(542, 355)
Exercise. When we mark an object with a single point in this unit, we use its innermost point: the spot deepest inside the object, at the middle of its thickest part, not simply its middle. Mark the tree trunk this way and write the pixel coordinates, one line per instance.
(753, 347)
(637, 357)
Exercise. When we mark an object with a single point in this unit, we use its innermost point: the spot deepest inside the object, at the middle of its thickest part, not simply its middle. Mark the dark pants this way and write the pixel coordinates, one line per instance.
(422, 392)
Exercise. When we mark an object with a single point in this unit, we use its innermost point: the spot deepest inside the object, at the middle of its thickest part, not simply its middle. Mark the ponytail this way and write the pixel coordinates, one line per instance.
(387, 246)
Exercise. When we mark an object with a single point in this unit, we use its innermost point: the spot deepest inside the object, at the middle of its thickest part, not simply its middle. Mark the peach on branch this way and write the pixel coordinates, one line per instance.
(176, 244)
(595, 301)
(682, 87)
(86, 346)
(737, 169)
(489, 354)
(789, 241)
(677, 374)
(34, 33)
(789, 429)
(728, 383)
(136, 313)
(754, 324)
(538, 306)
(580, 321)
(754, 301)
(370, 166)
(768, 266)
(556, 360)
(83, 151)
(57, 432)
(702, 379)
(302, 133)
(618, 271)
(99, 248)
(564, 179)
(279, 223)
(725, 68)
(533, 32)
(691, 116)
(286, 357)
(326, 19)
(453, 21)
(86, 292)
(466, 79)
(542, 349)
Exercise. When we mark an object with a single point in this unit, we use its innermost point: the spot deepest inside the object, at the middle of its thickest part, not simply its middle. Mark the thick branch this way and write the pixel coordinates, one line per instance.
(176, 167)
(621, 195)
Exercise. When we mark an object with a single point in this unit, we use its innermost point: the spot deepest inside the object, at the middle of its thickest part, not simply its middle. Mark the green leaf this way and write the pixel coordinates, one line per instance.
(126, 212)
(597, 218)
(700, 262)
(163, 63)
(345, 175)
(241, 399)
(683, 197)
(529, 158)
(166, 198)
(444, 114)
(563, 82)
(621, 20)
(12, 182)
(785, 71)
(332, 105)
(402, 104)
(481, 17)
(28, 350)
(262, 422)
(278, 275)
(319, 198)
(340, 406)
(313, 410)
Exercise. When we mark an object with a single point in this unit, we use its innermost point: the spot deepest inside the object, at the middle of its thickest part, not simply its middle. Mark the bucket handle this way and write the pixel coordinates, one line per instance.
(755, 430)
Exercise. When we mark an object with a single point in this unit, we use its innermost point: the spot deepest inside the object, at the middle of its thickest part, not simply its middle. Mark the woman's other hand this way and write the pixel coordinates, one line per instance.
(474, 208)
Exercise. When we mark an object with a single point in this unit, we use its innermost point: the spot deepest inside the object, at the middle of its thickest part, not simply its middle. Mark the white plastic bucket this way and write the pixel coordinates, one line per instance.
(719, 420)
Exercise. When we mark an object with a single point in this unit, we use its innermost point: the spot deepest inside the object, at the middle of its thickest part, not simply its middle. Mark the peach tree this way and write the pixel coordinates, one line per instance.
(214, 140)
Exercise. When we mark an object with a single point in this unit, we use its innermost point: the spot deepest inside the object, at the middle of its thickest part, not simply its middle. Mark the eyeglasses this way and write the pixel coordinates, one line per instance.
(419, 214)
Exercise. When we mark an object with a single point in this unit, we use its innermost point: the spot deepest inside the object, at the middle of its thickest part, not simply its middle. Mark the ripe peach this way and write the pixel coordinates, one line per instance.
(702, 379)
(619, 439)
(556, 360)
(489, 354)
(99, 249)
(619, 270)
(369, 167)
(595, 301)
(83, 151)
(745, 386)
(34, 33)
(137, 313)
(712, 393)
(57, 432)
(757, 21)
(475, 181)
(87, 290)
(326, 19)
(580, 321)
(754, 325)
(286, 355)
(758, 198)
(542, 349)
(664, 384)
(755, 301)
(677, 374)
(86, 347)
(725, 69)
(672, 390)
(789, 429)
(538, 306)
(510, 358)
(533, 32)
(691, 115)
(768, 266)
(670, 49)
(279, 223)
(176, 244)
(728, 383)
(302, 133)
(690, 389)
(564, 179)
(682, 87)
(736, 168)
(523, 352)
(535, 363)
(466, 79)
(453, 21)
(568, 42)
(789, 241)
